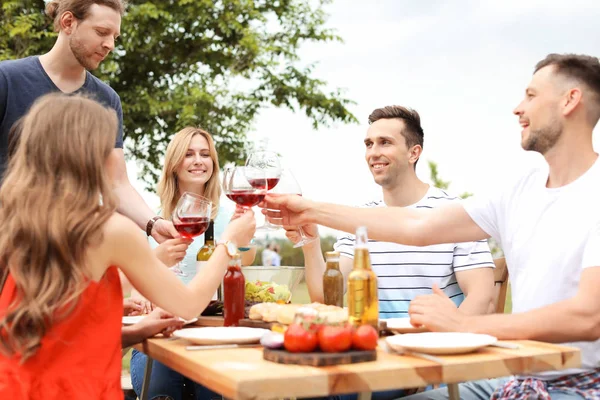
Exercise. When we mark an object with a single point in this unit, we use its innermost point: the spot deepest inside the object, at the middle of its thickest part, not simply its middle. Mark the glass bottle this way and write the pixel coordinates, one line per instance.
(205, 253)
(363, 300)
(333, 280)
(234, 291)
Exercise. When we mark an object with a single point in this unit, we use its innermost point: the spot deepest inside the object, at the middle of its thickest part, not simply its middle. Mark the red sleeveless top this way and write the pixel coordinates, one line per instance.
(79, 357)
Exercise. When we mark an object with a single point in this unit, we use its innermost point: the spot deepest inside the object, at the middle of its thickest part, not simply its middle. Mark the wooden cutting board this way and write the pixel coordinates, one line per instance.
(254, 323)
(319, 359)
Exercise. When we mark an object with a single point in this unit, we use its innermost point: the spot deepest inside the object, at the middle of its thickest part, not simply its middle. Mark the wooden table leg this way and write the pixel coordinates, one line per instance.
(146, 382)
(364, 396)
(453, 391)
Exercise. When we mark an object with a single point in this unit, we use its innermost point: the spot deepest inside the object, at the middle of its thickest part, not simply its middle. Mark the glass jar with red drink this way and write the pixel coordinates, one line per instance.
(234, 291)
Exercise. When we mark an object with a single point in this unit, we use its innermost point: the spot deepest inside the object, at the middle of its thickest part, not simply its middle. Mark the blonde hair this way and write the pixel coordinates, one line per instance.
(168, 186)
(79, 8)
(51, 213)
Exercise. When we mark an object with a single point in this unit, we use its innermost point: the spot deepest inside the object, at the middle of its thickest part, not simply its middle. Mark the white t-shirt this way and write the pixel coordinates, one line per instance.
(543, 233)
(404, 272)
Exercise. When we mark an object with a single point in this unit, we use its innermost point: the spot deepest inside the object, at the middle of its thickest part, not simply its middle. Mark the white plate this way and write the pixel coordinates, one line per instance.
(221, 335)
(440, 342)
(402, 325)
(134, 319)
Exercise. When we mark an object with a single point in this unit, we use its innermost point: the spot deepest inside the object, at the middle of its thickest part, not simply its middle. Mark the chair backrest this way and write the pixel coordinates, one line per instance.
(500, 283)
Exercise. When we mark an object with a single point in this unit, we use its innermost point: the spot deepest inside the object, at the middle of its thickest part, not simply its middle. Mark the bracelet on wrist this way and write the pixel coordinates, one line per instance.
(151, 223)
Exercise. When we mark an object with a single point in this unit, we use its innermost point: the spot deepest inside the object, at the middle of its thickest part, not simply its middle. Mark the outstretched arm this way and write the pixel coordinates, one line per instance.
(447, 224)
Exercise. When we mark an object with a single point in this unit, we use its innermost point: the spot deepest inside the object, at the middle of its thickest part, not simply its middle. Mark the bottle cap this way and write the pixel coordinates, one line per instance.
(361, 238)
(332, 256)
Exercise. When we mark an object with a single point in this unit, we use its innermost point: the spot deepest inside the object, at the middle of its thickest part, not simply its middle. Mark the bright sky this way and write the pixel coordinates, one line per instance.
(463, 65)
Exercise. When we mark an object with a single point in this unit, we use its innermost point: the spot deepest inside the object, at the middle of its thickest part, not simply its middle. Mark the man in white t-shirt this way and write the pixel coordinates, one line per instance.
(543, 222)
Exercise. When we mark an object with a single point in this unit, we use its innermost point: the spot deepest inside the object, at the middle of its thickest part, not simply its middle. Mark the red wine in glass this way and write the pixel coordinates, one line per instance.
(246, 198)
(259, 183)
(191, 226)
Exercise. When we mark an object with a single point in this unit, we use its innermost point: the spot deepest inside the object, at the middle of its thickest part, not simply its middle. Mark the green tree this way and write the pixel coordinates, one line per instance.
(439, 182)
(199, 62)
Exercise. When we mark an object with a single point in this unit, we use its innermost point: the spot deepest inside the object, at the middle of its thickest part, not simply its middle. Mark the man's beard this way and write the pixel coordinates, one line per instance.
(544, 139)
(79, 51)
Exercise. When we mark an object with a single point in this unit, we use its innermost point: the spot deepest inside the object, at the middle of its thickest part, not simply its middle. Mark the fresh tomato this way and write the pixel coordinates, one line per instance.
(300, 339)
(365, 338)
(335, 339)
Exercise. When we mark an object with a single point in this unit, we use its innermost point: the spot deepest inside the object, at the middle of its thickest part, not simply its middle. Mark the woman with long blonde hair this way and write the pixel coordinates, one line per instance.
(61, 243)
(191, 165)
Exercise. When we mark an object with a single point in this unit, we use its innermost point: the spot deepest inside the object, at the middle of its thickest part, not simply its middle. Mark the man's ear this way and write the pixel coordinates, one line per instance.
(571, 100)
(68, 22)
(415, 153)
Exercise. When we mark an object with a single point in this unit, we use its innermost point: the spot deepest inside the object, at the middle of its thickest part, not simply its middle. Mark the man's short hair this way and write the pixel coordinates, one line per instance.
(582, 68)
(412, 132)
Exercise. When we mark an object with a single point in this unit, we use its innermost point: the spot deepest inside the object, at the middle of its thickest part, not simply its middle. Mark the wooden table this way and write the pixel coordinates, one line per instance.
(243, 374)
(210, 321)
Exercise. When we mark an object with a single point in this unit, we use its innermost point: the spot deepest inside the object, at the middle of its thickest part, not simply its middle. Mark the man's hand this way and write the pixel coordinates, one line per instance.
(291, 209)
(437, 312)
(310, 230)
(163, 230)
(172, 251)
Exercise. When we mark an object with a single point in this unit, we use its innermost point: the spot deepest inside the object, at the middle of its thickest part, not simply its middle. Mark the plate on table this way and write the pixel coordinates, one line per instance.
(134, 319)
(440, 342)
(401, 325)
(221, 335)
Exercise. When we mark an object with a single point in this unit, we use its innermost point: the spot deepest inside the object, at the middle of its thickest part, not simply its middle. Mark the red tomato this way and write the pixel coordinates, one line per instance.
(365, 338)
(335, 339)
(297, 339)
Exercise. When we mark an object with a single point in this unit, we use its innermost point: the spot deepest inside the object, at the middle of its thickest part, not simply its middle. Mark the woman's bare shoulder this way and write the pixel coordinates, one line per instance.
(119, 227)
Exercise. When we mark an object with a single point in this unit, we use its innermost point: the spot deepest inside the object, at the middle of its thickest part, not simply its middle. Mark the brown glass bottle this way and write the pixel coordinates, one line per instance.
(333, 280)
(363, 300)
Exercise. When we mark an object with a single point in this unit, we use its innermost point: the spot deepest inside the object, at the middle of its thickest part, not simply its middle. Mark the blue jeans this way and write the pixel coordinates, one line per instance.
(164, 381)
(386, 395)
(481, 390)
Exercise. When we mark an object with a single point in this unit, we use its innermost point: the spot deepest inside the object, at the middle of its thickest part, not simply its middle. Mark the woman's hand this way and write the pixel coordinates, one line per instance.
(241, 229)
(172, 251)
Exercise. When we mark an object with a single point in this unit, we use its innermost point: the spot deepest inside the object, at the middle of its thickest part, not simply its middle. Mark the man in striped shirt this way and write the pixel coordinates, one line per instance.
(394, 143)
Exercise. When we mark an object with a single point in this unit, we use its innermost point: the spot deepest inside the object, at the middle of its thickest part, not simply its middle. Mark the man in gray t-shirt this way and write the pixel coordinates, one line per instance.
(86, 35)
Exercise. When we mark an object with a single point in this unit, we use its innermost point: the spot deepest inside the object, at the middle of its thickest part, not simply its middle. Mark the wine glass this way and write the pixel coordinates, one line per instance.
(269, 162)
(289, 185)
(245, 186)
(190, 218)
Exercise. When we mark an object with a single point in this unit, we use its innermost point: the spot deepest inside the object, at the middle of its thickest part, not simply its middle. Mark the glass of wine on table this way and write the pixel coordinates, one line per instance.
(190, 218)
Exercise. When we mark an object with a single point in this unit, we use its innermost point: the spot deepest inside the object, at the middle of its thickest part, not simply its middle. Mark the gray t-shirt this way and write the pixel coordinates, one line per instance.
(23, 81)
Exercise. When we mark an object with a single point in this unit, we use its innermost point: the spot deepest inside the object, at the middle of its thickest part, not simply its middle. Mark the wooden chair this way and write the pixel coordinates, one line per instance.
(500, 283)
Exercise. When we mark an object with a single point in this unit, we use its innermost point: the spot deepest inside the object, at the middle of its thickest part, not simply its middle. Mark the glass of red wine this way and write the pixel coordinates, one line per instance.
(246, 186)
(289, 185)
(267, 161)
(190, 218)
